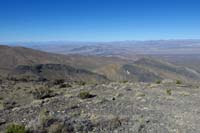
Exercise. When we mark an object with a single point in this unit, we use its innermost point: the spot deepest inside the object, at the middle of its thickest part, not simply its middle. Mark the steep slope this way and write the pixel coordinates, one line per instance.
(44, 72)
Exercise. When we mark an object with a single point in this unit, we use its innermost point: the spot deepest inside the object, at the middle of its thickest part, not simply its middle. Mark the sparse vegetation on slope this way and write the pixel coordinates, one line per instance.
(42, 93)
(158, 82)
(178, 82)
(169, 91)
(115, 105)
(85, 95)
(16, 128)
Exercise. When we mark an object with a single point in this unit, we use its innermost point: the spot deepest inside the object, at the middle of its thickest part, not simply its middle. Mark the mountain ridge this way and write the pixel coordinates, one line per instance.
(141, 69)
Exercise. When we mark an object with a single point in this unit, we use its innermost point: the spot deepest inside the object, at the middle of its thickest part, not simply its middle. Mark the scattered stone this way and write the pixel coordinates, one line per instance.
(2, 121)
(9, 104)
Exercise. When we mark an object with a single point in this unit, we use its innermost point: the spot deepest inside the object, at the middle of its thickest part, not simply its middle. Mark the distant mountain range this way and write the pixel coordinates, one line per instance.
(118, 48)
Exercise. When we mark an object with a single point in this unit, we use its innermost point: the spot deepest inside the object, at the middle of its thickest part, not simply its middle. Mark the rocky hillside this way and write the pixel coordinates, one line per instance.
(113, 107)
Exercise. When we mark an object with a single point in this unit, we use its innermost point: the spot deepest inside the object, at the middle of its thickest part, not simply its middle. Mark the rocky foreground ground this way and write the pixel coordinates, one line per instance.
(124, 107)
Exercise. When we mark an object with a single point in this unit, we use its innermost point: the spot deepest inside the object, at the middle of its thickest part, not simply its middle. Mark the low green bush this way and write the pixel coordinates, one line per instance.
(1, 98)
(44, 117)
(16, 128)
(9, 104)
(169, 91)
(85, 95)
(82, 83)
(65, 86)
(178, 82)
(56, 128)
(125, 81)
(42, 93)
(59, 81)
(158, 82)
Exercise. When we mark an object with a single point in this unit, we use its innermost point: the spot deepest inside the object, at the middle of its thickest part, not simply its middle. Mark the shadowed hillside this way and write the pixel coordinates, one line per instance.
(44, 72)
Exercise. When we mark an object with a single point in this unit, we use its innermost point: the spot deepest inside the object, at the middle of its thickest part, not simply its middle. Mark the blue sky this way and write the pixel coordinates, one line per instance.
(98, 20)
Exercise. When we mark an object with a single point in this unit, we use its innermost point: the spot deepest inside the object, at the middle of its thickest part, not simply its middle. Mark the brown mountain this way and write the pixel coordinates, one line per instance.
(11, 57)
(21, 63)
(143, 69)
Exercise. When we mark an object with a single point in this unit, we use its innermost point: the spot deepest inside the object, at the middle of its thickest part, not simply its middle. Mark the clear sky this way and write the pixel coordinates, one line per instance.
(98, 20)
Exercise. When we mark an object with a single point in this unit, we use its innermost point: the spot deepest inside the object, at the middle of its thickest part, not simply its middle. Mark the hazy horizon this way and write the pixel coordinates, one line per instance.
(99, 20)
(88, 41)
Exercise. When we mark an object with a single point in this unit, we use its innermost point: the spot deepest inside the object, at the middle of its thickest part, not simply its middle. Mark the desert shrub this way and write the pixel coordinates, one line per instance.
(140, 94)
(184, 93)
(15, 128)
(42, 93)
(1, 98)
(78, 126)
(1, 105)
(114, 123)
(24, 79)
(178, 82)
(169, 91)
(65, 85)
(82, 83)
(109, 123)
(59, 81)
(125, 81)
(85, 95)
(40, 79)
(158, 82)
(9, 104)
(18, 88)
(45, 118)
(55, 128)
